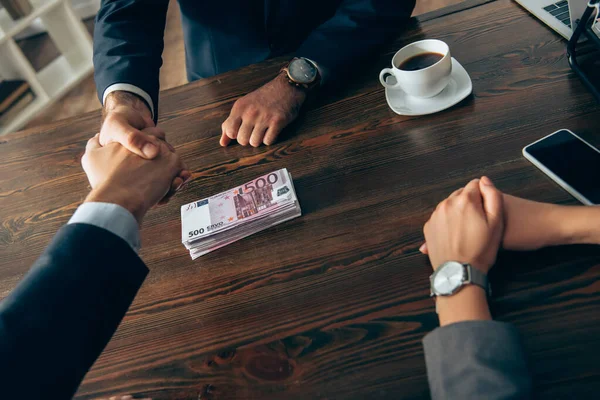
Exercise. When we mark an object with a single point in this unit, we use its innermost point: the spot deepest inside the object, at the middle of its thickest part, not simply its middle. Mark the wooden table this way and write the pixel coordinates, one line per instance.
(333, 305)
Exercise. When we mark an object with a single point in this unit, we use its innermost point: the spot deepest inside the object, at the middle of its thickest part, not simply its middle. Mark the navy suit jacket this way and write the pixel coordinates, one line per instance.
(224, 35)
(62, 314)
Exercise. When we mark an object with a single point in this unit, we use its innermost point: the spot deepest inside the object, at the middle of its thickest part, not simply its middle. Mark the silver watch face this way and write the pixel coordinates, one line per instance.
(302, 71)
(449, 277)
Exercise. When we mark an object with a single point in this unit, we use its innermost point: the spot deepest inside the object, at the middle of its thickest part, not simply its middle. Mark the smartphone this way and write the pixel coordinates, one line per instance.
(569, 161)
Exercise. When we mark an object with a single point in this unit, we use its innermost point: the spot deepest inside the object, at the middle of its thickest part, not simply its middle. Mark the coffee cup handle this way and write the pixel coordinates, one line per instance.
(383, 73)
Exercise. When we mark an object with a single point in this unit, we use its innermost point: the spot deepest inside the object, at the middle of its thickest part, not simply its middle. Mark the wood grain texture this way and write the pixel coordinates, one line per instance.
(333, 305)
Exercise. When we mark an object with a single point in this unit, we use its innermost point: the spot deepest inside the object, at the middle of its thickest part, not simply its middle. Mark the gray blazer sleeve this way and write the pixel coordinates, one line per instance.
(476, 360)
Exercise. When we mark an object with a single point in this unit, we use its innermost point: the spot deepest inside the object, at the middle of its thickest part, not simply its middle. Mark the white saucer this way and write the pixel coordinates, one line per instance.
(460, 86)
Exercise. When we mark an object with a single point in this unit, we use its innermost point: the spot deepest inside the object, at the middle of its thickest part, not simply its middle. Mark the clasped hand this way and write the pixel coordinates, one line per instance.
(467, 227)
(121, 177)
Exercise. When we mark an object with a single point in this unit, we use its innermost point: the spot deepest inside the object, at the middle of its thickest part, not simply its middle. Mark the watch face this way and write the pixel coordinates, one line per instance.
(448, 278)
(302, 71)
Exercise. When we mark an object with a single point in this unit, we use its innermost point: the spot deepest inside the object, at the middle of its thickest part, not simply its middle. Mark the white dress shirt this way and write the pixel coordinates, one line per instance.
(111, 217)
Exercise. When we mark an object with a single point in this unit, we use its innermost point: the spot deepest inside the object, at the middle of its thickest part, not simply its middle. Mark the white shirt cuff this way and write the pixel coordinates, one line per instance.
(126, 87)
(111, 217)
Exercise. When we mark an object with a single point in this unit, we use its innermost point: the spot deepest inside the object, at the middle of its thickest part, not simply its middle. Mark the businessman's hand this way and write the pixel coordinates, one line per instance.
(260, 116)
(121, 177)
(467, 226)
(125, 116)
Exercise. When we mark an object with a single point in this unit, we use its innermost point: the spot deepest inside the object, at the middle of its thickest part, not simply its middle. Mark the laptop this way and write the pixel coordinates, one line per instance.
(559, 15)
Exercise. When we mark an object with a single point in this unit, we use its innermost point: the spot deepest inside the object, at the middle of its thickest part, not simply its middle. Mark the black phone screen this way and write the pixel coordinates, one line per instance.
(571, 160)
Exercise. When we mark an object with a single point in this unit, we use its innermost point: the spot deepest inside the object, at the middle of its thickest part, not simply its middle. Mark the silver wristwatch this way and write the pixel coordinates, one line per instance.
(451, 276)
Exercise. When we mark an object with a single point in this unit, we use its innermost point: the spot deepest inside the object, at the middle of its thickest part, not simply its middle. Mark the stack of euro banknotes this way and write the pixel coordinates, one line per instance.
(224, 218)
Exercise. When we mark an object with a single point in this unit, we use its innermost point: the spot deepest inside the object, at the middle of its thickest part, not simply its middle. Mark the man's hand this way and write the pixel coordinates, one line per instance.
(467, 227)
(125, 116)
(260, 116)
(121, 177)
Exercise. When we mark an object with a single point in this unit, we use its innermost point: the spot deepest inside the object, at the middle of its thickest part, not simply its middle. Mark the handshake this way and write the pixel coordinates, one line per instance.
(136, 183)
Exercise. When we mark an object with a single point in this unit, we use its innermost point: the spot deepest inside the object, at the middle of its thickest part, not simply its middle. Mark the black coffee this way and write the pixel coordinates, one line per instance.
(420, 61)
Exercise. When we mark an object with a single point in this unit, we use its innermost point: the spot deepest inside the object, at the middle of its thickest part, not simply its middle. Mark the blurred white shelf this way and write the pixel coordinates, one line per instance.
(62, 74)
(84, 9)
(10, 28)
(24, 116)
(59, 76)
(57, 79)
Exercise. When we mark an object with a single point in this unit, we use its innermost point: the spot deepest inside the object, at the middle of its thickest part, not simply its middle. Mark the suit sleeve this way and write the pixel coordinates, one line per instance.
(128, 45)
(62, 314)
(476, 360)
(357, 28)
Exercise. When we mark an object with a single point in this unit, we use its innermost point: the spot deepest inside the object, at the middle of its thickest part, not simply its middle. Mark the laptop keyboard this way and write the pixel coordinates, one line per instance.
(560, 10)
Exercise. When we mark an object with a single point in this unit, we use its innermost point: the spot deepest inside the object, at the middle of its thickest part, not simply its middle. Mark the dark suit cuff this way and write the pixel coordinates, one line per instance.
(126, 87)
(148, 92)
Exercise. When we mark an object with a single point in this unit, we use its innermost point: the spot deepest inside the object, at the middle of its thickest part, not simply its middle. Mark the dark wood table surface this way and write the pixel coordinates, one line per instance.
(333, 305)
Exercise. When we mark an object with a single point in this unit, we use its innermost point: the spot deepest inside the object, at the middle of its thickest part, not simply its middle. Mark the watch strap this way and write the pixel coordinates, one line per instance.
(478, 278)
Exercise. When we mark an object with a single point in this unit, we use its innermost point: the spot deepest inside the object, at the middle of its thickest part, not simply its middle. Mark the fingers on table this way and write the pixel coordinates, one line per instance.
(230, 129)
(276, 125)
(225, 140)
(251, 129)
(258, 134)
(244, 133)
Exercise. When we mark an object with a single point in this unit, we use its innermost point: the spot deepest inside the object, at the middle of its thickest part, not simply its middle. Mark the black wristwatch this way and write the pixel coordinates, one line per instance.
(302, 72)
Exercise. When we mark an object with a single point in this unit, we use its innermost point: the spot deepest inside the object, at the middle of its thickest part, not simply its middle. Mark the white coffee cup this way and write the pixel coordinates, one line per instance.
(426, 82)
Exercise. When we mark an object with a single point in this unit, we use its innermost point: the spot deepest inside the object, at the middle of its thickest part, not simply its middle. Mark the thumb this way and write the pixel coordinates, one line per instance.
(144, 145)
(493, 204)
